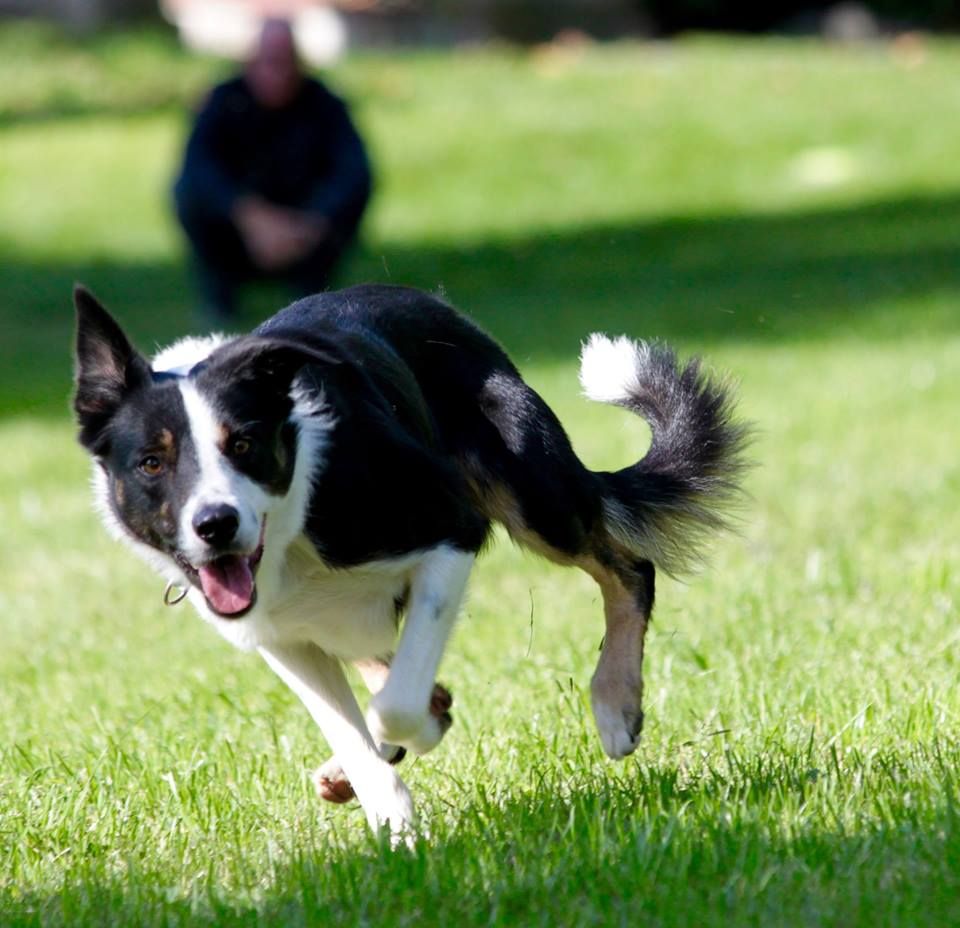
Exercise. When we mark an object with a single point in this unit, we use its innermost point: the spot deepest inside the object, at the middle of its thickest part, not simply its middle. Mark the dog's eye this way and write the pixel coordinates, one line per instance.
(151, 465)
(240, 446)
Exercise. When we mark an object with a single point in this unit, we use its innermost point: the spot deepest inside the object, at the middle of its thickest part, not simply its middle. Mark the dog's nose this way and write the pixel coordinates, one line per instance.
(216, 524)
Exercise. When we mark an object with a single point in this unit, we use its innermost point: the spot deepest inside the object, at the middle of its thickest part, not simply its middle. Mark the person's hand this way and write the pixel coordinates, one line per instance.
(276, 236)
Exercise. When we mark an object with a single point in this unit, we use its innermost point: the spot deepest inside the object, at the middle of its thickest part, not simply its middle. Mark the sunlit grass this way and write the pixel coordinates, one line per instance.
(799, 762)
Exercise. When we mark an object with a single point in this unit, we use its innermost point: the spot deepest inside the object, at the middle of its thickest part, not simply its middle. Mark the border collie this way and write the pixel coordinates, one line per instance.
(309, 484)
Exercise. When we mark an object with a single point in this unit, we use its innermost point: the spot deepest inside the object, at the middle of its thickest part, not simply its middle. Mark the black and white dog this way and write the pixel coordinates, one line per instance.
(310, 483)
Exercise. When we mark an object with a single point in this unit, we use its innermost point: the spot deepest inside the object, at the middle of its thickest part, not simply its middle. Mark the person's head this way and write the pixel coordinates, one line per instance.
(273, 71)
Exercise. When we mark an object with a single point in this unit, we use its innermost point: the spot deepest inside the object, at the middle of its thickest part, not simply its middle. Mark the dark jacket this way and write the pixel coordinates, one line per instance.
(307, 155)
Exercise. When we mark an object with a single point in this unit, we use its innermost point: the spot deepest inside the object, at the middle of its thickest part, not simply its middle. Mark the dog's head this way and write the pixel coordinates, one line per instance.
(193, 463)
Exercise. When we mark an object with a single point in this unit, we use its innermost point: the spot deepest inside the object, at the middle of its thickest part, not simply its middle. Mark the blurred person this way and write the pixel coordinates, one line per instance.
(275, 178)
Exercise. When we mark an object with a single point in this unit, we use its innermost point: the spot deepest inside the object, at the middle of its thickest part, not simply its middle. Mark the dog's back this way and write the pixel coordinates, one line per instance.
(520, 469)
(512, 450)
(519, 466)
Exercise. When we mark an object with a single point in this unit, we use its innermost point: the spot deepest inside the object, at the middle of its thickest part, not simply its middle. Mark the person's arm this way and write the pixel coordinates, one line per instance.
(343, 192)
(205, 183)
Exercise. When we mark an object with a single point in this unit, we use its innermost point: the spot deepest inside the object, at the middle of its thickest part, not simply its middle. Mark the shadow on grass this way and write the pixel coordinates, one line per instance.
(869, 271)
(599, 856)
(66, 109)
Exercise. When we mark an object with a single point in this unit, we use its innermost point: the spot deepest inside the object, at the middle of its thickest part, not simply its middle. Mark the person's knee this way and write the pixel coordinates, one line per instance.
(214, 240)
(191, 214)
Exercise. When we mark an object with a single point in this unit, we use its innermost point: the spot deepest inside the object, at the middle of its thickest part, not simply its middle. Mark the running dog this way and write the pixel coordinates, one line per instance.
(309, 485)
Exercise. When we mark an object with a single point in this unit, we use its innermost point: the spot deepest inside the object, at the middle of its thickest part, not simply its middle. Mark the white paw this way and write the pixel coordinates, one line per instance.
(430, 735)
(394, 814)
(383, 796)
(432, 726)
(619, 729)
(393, 722)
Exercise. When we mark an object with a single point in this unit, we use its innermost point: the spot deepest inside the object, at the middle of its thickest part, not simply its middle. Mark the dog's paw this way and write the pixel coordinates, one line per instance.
(437, 723)
(441, 702)
(386, 799)
(392, 812)
(393, 722)
(428, 737)
(616, 696)
(417, 732)
(332, 783)
(619, 728)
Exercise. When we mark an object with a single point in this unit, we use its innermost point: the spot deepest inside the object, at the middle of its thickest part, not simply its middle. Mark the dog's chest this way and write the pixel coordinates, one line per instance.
(351, 613)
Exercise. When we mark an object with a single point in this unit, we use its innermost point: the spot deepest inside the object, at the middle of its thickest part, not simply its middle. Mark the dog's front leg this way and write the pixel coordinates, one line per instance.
(331, 781)
(320, 683)
(400, 712)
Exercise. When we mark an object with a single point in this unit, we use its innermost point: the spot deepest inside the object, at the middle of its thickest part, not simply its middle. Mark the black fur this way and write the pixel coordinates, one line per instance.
(436, 433)
(424, 361)
(688, 483)
(425, 434)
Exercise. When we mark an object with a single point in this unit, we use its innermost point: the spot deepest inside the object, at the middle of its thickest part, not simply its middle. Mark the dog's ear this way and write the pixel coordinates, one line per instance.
(107, 366)
(270, 363)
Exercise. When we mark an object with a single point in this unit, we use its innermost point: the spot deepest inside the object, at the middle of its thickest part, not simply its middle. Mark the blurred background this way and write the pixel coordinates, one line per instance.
(390, 22)
(695, 168)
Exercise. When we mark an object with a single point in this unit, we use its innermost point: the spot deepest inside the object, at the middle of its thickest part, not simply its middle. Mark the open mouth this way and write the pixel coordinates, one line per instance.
(228, 582)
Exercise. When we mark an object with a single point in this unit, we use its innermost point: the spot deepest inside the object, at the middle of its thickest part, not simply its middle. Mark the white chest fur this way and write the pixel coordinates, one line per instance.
(349, 613)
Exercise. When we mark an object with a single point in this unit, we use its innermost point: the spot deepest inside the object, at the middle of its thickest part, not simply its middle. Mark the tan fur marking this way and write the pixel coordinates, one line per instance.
(166, 517)
(119, 491)
(619, 669)
(616, 689)
(373, 672)
(500, 505)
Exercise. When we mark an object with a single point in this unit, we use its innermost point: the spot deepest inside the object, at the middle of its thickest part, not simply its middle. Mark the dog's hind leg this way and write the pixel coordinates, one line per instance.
(616, 689)
(529, 479)
(329, 778)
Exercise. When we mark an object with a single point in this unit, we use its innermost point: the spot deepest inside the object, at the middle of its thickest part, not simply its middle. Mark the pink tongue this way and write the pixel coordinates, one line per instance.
(228, 584)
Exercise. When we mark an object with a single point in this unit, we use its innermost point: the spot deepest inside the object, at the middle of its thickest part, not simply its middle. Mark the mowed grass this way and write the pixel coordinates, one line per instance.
(788, 210)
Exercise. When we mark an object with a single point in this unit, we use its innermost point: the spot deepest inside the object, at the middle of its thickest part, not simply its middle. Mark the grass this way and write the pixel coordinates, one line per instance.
(789, 210)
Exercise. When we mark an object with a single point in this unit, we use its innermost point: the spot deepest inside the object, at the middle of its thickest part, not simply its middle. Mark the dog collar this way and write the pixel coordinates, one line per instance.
(179, 593)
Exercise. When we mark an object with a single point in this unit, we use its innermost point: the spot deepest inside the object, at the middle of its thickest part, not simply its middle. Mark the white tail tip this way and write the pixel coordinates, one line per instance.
(608, 368)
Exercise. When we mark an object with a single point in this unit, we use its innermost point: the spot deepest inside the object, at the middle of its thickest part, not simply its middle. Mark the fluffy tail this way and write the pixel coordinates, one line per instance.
(686, 486)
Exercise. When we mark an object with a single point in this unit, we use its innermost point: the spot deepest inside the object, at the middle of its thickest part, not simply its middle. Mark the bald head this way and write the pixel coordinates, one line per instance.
(276, 39)
(273, 72)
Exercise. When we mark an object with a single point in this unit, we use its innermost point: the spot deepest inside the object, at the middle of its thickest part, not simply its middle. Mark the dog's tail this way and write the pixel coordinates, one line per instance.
(688, 483)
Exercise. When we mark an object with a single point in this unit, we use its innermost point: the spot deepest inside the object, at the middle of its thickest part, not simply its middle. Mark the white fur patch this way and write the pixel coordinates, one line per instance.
(284, 516)
(180, 357)
(400, 712)
(608, 367)
(218, 482)
(616, 739)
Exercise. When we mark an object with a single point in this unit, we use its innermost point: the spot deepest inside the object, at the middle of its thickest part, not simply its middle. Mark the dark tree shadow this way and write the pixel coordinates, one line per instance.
(867, 271)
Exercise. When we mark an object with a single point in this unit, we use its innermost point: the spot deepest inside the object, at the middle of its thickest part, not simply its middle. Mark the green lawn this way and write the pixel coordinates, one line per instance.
(792, 211)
